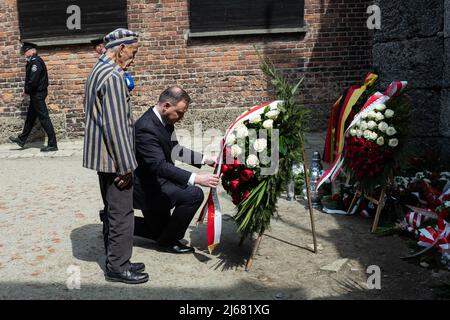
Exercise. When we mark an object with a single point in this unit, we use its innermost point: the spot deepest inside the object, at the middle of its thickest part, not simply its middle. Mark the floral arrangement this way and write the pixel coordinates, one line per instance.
(371, 151)
(241, 176)
(247, 170)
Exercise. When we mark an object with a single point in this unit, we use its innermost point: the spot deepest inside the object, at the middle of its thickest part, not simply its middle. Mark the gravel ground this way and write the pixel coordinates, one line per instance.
(50, 232)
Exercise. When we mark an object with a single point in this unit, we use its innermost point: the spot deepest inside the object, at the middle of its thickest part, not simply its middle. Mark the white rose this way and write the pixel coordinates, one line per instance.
(373, 136)
(353, 132)
(379, 116)
(273, 114)
(268, 124)
(231, 139)
(363, 125)
(371, 125)
(252, 161)
(447, 204)
(372, 115)
(382, 126)
(389, 113)
(241, 131)
(367, 134)
(359, 133)
(235, 150)
(274, 106)
(390, 131)
(364, 116)
(260, 145)
(380, 141)
(380, 107)
(255, 119)
(393, 143)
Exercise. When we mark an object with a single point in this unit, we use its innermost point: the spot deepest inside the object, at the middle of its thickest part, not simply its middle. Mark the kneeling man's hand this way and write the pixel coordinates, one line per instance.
(207, 180)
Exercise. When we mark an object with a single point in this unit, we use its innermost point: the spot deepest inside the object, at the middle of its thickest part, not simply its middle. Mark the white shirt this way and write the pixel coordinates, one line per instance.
(191, 181)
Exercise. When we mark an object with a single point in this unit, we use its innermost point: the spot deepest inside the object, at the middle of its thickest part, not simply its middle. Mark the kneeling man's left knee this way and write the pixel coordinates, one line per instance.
(198, 195)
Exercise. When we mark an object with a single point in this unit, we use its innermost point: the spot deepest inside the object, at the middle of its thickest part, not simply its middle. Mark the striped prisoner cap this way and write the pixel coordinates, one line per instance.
(120, 36)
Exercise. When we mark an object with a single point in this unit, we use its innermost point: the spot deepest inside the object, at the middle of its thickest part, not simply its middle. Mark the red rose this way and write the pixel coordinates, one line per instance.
(236, 163)
(234, 185)
(246, 195)
(246, 174)
(226, 168)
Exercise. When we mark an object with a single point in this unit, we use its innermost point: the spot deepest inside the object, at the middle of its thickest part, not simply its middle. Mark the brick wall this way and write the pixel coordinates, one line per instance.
(220, 73)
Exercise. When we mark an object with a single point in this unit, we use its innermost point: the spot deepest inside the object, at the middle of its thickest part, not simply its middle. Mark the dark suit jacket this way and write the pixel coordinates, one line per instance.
(156, 151)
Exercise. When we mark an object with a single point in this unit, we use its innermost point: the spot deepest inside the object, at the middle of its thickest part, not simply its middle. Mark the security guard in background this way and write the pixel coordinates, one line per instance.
(36, 83)
(99, 46)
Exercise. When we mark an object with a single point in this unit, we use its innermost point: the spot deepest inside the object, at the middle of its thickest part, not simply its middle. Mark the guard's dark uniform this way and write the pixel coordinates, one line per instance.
(36, 83)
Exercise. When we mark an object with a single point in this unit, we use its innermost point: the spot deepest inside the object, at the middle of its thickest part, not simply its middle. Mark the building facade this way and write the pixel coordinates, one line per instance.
(333, 49)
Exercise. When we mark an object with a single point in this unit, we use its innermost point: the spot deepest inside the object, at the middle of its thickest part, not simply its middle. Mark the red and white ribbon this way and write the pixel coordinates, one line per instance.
(376, 99)
(414, 220)
(440, 237)
(212, 206)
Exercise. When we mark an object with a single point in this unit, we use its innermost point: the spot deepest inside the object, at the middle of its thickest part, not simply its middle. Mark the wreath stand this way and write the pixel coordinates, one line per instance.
(311, 214)
(380, 202)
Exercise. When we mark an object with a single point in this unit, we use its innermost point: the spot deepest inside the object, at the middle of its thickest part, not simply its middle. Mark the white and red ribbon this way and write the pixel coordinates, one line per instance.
(212, 206)
(414, 220)
(376, 99)
(440, 237)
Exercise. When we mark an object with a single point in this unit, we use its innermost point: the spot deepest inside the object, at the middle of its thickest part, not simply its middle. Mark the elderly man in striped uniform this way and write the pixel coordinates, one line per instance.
(109, 149)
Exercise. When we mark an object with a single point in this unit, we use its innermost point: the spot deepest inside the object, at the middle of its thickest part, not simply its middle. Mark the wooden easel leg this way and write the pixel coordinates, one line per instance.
(255, 248)
(379, 209)
(308, 195)
(355, 197)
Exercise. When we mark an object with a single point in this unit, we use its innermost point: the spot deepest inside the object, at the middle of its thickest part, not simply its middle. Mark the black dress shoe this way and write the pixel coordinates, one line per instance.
(137, 267)
(49, 148)
(177, 247)
(19, 142)
(129, 277)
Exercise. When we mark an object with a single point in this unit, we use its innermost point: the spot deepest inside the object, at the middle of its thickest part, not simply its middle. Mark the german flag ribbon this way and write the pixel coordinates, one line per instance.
(376, 99)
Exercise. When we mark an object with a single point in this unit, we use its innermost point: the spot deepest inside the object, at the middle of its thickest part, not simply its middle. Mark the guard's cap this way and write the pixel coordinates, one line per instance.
(27, 46)
(97, 41)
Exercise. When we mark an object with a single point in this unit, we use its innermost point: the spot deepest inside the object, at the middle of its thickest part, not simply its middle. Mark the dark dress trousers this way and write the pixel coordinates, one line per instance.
(159, 185)
(36, 84)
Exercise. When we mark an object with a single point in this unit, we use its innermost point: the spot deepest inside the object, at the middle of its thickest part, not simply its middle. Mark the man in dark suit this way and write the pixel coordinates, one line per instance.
(159, 184)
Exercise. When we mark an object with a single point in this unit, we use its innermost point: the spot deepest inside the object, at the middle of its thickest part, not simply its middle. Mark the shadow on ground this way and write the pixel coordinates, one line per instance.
(244, 290)
(229, 254)
(87, 244)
